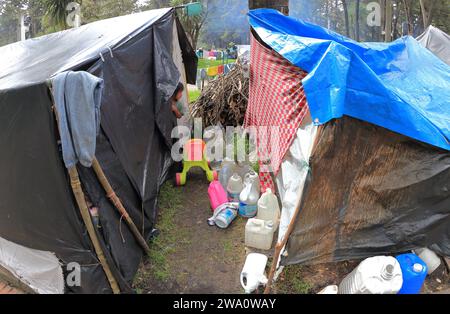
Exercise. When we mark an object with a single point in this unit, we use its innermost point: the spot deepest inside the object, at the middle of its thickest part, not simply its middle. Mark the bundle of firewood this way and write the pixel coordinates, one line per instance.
(224, 99)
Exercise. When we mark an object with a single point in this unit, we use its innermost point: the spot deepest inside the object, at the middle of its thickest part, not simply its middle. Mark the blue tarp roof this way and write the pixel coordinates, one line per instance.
(400, 85)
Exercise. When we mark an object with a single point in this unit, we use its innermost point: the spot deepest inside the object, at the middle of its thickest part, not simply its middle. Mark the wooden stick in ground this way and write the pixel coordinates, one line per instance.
(118, 204)
(81, 201)
(283, 242)
(280, 245)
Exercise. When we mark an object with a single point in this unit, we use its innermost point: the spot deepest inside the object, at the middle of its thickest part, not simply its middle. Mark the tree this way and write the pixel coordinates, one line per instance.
(192, 24)
(347, 22)
(388, 21)
(357, 20)
(427, 11)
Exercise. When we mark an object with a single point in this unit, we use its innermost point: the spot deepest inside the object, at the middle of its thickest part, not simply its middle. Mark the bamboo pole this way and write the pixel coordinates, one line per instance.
(86, 216)
(118, 204)
(81, 201)
(280, 245)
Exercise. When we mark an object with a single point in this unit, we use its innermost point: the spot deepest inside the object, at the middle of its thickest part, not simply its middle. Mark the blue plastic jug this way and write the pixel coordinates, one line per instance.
(414, 271)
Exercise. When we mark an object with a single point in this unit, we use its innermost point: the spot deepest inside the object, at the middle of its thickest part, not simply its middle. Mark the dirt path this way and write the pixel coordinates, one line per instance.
(191, 257)
(203, 259)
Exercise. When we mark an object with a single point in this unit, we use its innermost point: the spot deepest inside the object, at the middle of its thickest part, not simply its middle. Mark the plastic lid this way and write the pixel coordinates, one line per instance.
(417, 268)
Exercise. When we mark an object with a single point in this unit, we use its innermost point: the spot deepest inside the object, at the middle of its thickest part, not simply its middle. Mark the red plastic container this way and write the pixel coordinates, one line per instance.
(217, 195)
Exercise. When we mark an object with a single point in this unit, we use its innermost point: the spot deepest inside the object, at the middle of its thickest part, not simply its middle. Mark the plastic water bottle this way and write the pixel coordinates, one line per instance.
(414, 272)
(227, 170)
(430, 258)
(268, 208)
(375, 275)
(243, 168)
(217, 195)
(259, 234)
(225, 217)
(252, 274)
(234, 188)
(248, 199)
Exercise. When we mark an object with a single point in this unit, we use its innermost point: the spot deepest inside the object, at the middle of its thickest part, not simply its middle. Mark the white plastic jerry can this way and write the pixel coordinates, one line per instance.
(268, 208)
(252, 274)
(259, 234)
(374, 275)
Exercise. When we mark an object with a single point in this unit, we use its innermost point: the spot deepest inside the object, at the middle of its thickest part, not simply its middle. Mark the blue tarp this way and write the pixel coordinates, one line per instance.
(400, 85)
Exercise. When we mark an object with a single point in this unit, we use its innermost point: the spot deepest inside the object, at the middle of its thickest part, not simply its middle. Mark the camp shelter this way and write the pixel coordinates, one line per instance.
(141, 58)
(437, 42)
(364, 139)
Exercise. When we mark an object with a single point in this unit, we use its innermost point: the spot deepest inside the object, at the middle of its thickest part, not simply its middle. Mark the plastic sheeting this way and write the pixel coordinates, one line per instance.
(400, 85)
(437, 42)
(371, 192)
(294, 170)
(36, 203)
(40, 270)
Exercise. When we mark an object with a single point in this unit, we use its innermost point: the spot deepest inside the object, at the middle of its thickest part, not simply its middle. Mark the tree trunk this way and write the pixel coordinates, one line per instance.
(347, 22)
(388, 28)
(357, 20)
(407, 4)
(427, 10)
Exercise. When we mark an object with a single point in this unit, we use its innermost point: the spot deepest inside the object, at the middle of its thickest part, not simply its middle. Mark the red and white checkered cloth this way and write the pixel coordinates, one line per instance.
(277, 106)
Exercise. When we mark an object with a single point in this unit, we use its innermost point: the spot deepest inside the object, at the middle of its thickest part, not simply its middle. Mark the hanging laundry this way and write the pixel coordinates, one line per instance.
(213, 71)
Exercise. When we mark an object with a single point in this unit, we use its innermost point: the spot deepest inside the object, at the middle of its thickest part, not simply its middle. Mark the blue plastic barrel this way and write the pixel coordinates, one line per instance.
(414, 271)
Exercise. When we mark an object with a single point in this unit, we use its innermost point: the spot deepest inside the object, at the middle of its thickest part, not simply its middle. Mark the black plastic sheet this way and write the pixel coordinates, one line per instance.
(133, 54)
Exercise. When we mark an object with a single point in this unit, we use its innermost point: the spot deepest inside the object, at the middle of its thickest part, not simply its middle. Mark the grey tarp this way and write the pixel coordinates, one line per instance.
(437, 42)
(133, 55)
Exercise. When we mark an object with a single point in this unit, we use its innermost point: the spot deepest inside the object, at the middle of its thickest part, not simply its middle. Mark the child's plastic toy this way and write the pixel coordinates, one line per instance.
(194, 156)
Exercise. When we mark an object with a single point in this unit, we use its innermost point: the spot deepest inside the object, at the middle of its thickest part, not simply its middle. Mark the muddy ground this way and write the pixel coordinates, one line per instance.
(189, 256)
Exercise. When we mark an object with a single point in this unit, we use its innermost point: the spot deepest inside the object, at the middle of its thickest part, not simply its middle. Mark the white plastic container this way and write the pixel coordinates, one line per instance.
(248, 199)
(225, 173)
(430, 258)
(234, 188)
(252, 274)
(259, 234)
(374, 275)
(329, 290)
(268, 208)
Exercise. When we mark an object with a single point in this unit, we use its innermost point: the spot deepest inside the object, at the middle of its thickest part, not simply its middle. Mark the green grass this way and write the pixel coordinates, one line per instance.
(291, 282)
(169, 238)
(205, 63)
(194, 95)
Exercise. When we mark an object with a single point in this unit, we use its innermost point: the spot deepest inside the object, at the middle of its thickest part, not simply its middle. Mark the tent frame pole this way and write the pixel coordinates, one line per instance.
(118, 204)
(280, 245)
(86, 216)
(84, 211)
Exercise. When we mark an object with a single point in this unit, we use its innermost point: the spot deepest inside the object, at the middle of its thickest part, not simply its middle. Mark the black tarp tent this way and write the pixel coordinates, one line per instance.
(133, 54)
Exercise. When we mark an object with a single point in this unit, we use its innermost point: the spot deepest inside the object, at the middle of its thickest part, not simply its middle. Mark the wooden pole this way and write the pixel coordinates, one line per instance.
(86, 216)
(281, 245)
(118, 204)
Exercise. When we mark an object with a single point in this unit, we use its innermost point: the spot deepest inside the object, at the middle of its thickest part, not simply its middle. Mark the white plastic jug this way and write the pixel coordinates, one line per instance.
(329, 290)
(430, 258)
(259, 234)
(252, 274)
(225, 173)
(243, 168)
(374, 275)
(268, 208)
(234, 188)
(248, 199)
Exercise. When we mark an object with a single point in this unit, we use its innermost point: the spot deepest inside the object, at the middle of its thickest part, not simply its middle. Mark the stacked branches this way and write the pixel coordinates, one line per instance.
(224, 99)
